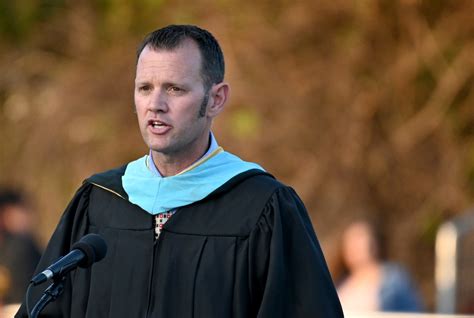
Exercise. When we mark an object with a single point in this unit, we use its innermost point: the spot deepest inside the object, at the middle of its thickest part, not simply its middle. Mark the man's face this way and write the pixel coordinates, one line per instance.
(169, 93)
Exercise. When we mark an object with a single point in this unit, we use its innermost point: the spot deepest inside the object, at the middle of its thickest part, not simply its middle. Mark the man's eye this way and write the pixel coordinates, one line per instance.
(145, 88)
(175, 89)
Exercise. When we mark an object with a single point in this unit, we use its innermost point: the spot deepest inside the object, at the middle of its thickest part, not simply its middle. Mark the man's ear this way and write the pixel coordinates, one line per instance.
(218, 96)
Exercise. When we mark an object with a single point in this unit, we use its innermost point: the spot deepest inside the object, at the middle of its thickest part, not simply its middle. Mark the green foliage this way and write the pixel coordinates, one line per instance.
(244, 123)
(119, 17)
(470, 169)
(18, 19)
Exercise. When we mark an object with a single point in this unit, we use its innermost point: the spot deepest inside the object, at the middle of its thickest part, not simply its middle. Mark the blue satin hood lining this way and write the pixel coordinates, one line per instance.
(157, 195)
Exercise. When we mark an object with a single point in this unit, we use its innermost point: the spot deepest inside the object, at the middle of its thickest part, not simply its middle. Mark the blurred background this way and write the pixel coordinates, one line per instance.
(365, 107)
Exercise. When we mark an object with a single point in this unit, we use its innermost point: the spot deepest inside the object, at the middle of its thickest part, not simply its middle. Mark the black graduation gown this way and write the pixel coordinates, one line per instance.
(247, 250)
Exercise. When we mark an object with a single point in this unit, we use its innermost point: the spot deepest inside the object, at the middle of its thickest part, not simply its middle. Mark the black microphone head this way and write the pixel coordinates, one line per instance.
(94, 248)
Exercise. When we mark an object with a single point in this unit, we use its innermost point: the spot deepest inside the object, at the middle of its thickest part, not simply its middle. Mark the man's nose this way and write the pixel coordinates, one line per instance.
(159, 102)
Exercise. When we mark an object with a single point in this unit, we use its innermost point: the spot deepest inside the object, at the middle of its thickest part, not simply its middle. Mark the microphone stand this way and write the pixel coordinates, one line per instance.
(49, 295)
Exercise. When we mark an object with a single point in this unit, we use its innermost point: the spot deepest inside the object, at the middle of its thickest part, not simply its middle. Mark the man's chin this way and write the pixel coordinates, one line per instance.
(159, 150)
(166, 150)
(160, 146)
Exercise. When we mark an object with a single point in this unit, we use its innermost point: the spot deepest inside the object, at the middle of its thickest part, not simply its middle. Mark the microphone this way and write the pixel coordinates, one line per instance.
(90, 248)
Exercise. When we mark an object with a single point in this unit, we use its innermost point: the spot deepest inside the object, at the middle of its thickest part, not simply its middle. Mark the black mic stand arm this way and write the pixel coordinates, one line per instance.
(50, 294)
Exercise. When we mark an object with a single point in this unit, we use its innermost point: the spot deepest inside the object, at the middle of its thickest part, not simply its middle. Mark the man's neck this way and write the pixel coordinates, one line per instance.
(170, 166)
(166, 166)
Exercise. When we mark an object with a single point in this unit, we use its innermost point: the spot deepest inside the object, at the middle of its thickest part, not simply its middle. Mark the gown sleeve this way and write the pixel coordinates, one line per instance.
(287, 264)
(72, 226)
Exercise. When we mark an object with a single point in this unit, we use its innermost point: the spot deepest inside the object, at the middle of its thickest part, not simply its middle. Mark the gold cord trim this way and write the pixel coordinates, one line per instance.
(194, 165)
(201, 161)
(107, 189)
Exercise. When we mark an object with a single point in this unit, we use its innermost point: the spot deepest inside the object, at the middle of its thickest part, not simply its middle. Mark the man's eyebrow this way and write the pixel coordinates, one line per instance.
(183, 84)
(140, 79)
(175, 83)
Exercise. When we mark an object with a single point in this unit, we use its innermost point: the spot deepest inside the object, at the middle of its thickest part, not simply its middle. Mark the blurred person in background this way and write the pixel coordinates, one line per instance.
(6, 311)
(19, 253)
(365, 281)
(4, 285)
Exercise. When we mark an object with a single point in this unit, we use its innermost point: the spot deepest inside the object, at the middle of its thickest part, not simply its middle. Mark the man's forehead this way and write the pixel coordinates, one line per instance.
(178, 63)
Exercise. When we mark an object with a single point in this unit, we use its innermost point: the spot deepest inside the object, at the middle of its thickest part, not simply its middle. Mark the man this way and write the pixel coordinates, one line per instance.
(192, 230)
